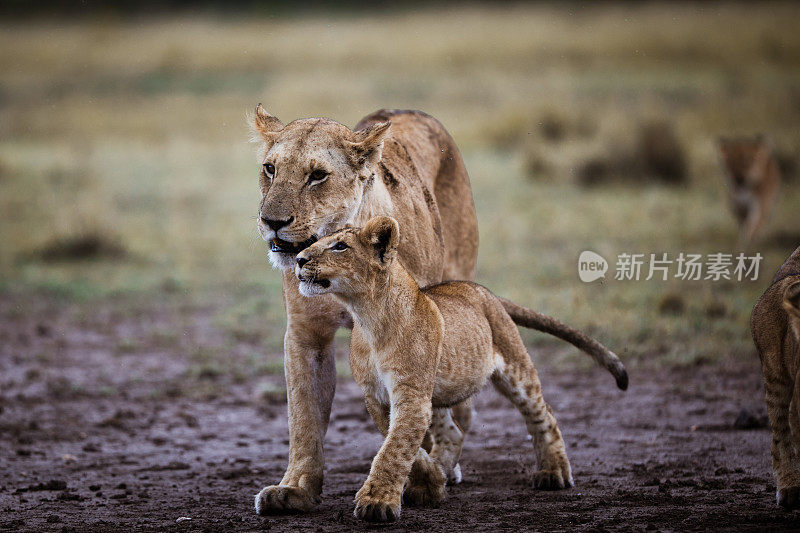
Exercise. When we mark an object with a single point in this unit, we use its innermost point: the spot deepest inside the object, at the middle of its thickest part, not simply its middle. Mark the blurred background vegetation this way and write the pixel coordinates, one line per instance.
(126, 172)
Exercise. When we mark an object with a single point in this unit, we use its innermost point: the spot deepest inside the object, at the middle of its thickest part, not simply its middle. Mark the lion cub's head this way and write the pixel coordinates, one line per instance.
(349, 261)
(791, 303)
(314, 173)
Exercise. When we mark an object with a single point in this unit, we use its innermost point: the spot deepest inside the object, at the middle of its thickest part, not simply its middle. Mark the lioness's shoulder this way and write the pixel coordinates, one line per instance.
(382, 115)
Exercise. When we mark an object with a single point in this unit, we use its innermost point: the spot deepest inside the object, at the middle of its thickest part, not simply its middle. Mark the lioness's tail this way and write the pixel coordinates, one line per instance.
(529, 318)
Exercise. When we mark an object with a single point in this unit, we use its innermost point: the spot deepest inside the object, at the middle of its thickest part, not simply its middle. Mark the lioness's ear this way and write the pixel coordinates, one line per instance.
(382, 234)
(791, 299)
(264, 125)
(367, 145)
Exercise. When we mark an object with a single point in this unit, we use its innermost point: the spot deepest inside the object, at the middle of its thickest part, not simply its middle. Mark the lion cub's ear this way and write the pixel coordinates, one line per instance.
(791, 299)
(265, 126)
(367, 145)
(383, 235)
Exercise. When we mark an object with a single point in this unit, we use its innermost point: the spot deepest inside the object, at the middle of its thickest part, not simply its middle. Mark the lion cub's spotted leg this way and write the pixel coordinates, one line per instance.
(378, 500)
(447, 442)
(516, 378)
(462, 415)
(426, 480)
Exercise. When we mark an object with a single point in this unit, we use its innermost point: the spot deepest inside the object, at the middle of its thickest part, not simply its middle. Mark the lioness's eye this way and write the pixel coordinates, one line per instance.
(317, 176)
(269, 169)
(339, 247)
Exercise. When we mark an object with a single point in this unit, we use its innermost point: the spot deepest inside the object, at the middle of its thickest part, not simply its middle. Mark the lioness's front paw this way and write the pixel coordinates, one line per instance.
(372, 508)
(789, 497)
(555, 479)
(284, 498)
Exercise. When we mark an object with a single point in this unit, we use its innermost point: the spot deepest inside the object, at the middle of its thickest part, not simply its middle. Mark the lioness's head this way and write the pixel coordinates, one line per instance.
(313, 176)
(348, 261)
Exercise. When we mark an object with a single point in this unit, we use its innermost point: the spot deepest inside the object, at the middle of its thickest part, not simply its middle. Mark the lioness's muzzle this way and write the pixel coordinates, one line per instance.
(286, 247)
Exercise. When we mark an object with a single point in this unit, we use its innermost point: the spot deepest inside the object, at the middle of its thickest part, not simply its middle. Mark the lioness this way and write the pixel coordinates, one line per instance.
(753, 177)
(415, 352)
(775, 325)
(317, 176)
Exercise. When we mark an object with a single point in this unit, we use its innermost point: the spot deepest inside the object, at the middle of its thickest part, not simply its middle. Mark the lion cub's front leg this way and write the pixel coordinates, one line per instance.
(379, 498)
(426, 481)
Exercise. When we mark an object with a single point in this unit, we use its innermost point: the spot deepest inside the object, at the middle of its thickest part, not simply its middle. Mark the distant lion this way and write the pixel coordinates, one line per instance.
(775, 324)
(753, 178)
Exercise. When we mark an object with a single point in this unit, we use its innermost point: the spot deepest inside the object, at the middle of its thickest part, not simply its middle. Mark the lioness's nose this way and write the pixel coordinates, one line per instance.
(301, 261)
(276, 224)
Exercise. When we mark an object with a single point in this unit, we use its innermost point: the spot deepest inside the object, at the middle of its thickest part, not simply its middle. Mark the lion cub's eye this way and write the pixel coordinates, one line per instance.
(339, 247)
(269, 169)
(317, 176)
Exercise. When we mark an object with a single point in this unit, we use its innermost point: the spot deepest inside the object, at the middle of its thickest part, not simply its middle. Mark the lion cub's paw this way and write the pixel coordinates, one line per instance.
(789, 497)
(553, 479)
(376, 506)
(424, 494)
(454, 477)
(426, 484)
(284, 498)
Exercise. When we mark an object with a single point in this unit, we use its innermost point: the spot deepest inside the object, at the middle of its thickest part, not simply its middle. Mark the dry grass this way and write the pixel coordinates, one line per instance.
(134, 133)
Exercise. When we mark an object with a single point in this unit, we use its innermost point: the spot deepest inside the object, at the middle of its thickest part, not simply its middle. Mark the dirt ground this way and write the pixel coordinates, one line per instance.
(99, 438)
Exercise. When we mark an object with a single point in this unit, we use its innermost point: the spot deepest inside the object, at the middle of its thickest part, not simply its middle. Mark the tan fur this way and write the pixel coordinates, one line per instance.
(753, 177)
(415, 352)
(398, 163)
(775, 325)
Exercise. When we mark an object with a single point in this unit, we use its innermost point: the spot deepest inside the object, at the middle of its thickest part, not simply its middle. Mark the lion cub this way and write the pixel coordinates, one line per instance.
(753, 178)
(415, 352)
(775, 325)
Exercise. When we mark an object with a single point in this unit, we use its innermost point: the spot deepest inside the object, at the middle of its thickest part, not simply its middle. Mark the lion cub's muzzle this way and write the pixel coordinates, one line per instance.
(309, 275)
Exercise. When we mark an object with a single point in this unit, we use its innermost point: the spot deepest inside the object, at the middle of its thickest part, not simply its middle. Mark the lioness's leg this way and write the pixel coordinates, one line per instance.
(379, 498)
(310, 383)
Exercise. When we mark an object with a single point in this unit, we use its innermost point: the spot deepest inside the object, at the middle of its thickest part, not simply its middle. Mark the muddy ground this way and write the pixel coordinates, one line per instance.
(101, 434)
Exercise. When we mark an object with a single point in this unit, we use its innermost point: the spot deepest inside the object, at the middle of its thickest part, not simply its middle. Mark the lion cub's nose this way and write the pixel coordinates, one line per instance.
(301, 261)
